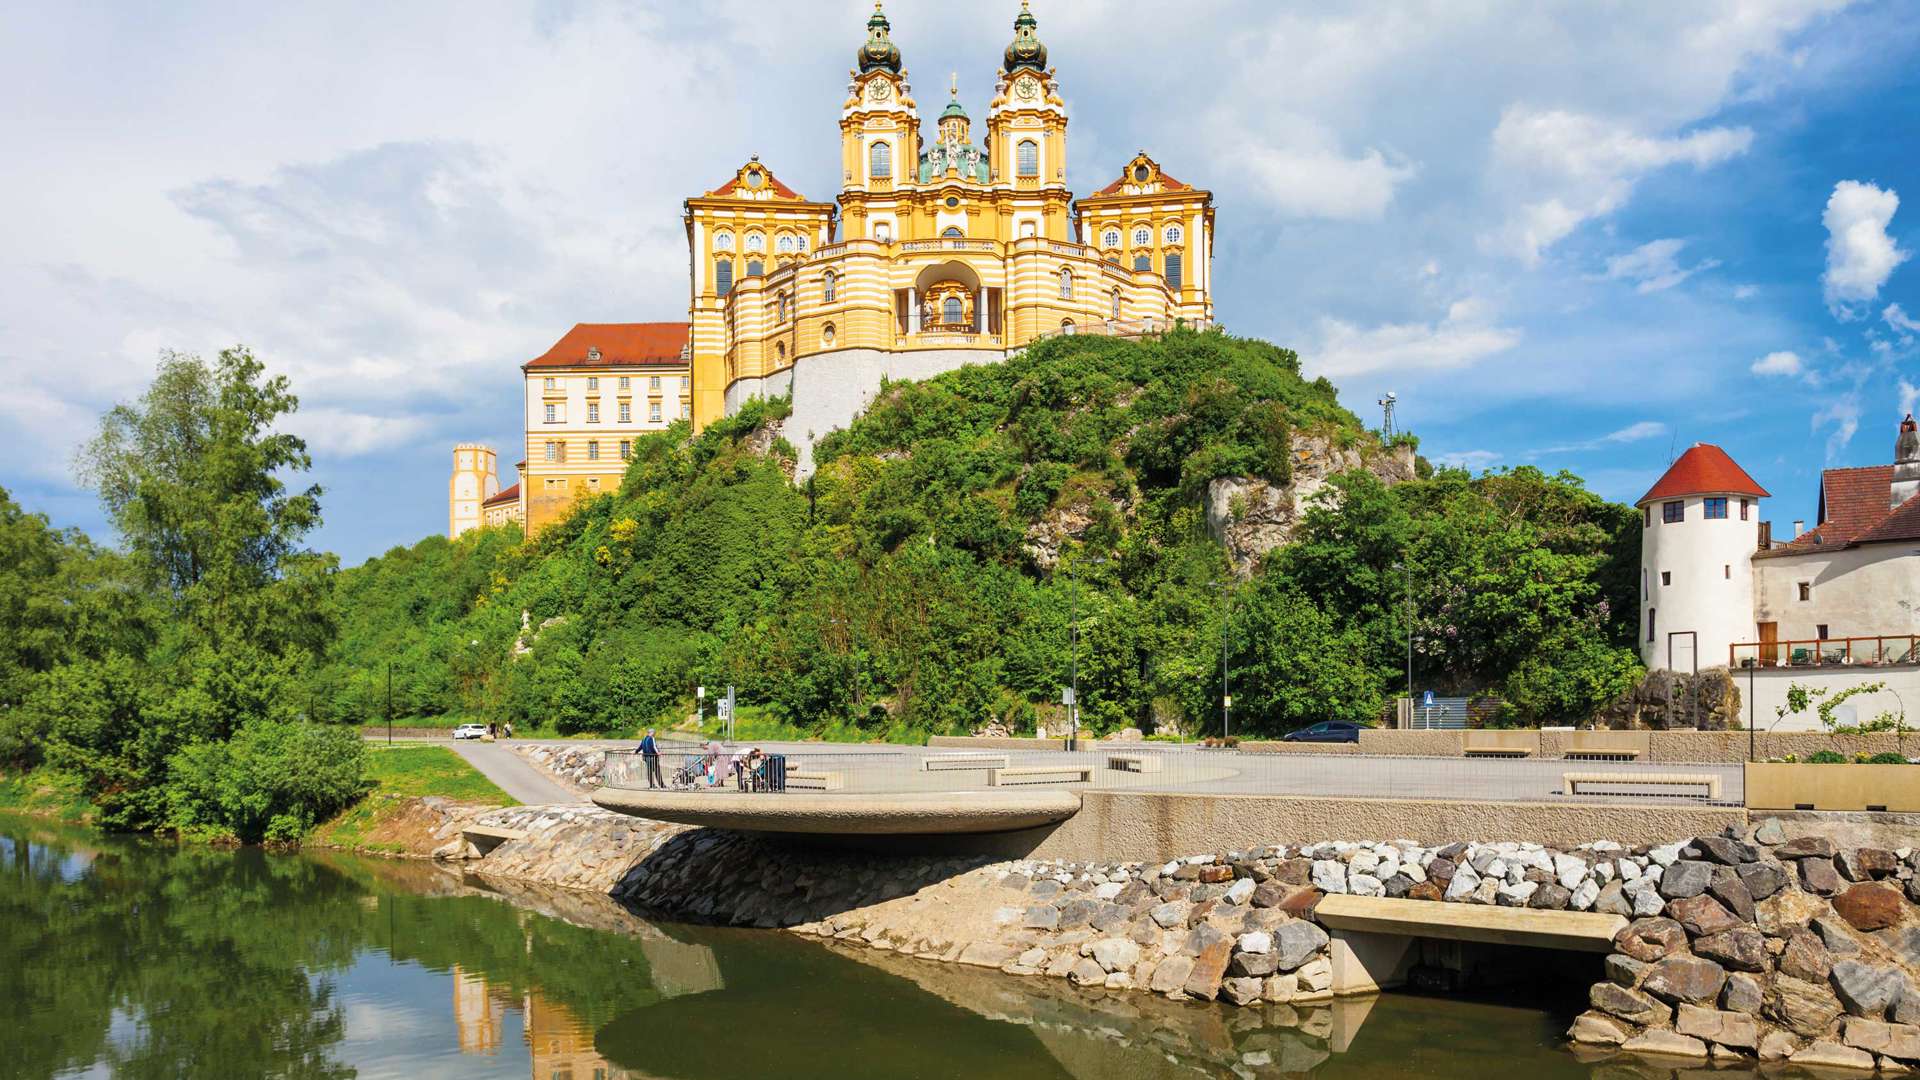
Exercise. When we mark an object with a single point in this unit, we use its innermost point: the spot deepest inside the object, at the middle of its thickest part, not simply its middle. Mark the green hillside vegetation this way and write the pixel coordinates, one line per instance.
(924, 580)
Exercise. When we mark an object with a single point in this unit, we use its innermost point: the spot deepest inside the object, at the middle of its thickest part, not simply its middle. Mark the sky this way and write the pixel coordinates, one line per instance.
(1574, 235)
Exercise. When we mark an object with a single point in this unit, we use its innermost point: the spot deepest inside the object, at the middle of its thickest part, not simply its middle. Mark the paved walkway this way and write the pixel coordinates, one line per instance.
(512, 773)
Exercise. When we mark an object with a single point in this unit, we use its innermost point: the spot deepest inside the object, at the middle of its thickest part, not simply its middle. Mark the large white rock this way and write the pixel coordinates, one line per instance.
(1365, 885)
(1108, 890)
(1463, 883)
(1239, 891)
(1330, 876)
(1569, 871)
(1257, 942)
(1584, 896)
(1668, 854)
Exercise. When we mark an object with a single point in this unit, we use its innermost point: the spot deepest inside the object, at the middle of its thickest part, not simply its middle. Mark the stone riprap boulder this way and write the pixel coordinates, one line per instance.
(578, 766)
(1772, 946)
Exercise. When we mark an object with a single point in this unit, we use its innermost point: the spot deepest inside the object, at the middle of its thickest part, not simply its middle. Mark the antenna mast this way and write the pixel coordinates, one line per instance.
(1386, 408)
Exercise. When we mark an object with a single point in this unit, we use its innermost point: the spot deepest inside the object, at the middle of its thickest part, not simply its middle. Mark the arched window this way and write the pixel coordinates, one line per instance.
(1143, 261)
(1027, 158)
(785, 242)
(952, 232)
(1116, 304)
(880, 161)
(1142, 236)
(722, 276)
(780, 353)
(1110, 238)
(1066, 283)
(1173, 271)
(827, 334)
(756, 242)
(1172, 235)
(783, 307)
(723, 242)
(1066, 326)
(1027, 230)
(950, 311)
(755, 268)
(827, 291)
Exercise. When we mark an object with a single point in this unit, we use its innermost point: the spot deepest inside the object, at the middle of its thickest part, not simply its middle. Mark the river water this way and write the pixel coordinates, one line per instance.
(140, 959)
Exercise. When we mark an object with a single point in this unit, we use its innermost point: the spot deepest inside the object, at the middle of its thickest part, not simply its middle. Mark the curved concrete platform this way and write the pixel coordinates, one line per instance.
(918, 813)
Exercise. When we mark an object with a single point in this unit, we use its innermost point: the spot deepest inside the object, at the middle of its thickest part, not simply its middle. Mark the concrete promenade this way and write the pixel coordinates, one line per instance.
(512, 774)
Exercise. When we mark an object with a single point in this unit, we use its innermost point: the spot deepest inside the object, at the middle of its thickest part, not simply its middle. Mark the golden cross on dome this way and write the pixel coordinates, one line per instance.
(953, 84)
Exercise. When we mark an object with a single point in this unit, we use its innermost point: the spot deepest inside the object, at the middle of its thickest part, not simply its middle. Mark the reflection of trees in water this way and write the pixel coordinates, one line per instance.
(230, 957)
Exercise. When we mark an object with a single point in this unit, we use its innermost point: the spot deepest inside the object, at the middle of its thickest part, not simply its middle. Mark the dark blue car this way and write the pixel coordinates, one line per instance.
(1325, 731)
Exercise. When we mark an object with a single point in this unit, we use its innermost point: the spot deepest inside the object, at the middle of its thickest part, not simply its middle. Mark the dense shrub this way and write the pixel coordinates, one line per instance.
(274, 780)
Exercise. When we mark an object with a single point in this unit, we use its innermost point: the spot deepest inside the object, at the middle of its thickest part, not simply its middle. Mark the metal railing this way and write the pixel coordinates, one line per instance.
(1311, 771)
(1813, 652)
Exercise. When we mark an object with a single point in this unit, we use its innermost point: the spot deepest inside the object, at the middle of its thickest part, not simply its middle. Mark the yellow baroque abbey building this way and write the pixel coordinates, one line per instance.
(941, 249)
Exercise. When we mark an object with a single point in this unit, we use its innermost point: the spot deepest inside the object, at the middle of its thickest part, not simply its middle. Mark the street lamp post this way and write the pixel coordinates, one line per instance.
(1073, 658)
(389, 703)
(1226, 695)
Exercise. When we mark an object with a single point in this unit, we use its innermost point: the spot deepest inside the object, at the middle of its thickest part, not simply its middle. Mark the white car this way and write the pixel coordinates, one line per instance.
(470, 731)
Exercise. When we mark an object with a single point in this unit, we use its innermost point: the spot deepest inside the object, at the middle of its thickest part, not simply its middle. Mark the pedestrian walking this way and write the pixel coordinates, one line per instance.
(650, 753)
(509, 728)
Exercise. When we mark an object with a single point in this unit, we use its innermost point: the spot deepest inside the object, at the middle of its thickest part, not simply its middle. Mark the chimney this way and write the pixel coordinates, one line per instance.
(1766, 536)
(1906, 463)
(1798, 528)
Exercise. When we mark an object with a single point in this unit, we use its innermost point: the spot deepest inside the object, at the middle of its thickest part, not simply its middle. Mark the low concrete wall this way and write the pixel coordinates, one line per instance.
(1157, 826)
(1731, 746)
(1277, 747)
(973, 742)
(1888, 788)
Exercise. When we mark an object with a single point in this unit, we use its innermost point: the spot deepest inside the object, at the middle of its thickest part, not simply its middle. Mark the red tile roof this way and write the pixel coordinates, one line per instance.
(620, 345)
(1854, 510)
(511, 494)
(732, 187)
(1167, 183)
(1704, 469)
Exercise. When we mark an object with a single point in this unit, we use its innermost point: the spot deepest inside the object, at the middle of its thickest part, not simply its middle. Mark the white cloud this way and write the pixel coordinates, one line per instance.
(1655, 265)
(1909, 394)
(1781, 362)
(1639, 431)
(1564, 168)
(1465, 336)
(1471, 460)
(1905, 324)
(1745, 292)
(1321, 183)
(1860, 254)
(1844, 415)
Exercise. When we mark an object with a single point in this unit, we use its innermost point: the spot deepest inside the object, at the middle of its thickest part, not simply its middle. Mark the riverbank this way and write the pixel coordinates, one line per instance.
(1717, 959)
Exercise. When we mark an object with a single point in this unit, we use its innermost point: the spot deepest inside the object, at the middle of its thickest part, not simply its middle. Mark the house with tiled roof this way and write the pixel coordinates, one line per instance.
(1834, 605)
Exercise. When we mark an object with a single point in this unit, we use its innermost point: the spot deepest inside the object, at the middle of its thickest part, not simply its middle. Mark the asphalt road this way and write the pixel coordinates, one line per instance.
(512, 773)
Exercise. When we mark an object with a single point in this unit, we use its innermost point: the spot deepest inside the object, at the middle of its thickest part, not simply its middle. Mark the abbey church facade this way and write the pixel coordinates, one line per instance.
(946, 245)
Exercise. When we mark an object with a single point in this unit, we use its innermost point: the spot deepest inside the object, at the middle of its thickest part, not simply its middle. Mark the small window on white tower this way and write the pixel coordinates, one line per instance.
(1716, 509)
(1672, 512)
(1806, 591)
(1666, 577)
(1746, 509)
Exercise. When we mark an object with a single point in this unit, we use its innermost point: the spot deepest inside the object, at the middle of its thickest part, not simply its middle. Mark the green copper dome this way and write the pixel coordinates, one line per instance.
(1026, 51)
(953, 109)
(879, 51)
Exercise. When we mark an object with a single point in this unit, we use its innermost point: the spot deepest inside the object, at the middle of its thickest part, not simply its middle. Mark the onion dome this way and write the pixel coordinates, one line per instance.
(954, 108)
(879, 51)
(1026, 51)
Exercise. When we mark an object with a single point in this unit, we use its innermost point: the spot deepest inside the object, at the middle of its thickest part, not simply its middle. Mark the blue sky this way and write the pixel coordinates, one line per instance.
(1566, 234)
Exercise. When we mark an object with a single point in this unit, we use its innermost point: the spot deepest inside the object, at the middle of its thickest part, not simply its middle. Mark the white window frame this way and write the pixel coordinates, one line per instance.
(653, 413)
(653, 384)
(626, 413)
(1142, 236)
(1066, 283)
(593, 449)
(880, 160)
(1110, 237)
(1171, 234)
(593, 412)
(1026, 158)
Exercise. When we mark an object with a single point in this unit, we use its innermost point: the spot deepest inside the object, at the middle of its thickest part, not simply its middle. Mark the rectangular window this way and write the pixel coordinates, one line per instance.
(1820, 631)
(552, 450)
(686, 410)
(593, 412)
(1173, 271)
(1666, 577)
(626, 449)
(1672, 512)
(626, 413)
(625, 382)
(593, 382)
(1746, 508)
(593, 482)
(1646, 517)
(653, 412)
(1027, 158)
(549, 383)
(723, 277)
(1806, 590)
(653, 384)
(1716, 508)
(1726, 571)
(553, 414)
(593, 449)
(1649, 624)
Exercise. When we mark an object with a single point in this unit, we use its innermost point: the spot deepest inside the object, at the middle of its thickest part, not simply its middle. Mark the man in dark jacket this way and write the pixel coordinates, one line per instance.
(651, 755)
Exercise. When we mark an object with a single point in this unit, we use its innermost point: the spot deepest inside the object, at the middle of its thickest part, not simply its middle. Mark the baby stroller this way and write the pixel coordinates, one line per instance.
(688, 775)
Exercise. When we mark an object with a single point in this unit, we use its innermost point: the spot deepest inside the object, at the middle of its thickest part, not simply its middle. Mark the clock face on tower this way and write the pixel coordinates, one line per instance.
(879, 89)
(1027, 87)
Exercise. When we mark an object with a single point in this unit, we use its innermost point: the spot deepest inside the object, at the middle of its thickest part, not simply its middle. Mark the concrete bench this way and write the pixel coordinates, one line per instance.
(1135, 763)
(947, 762)
(1040, 774)
(816, 781)
(1500, 743)
(1602, 752)
(1709, 781)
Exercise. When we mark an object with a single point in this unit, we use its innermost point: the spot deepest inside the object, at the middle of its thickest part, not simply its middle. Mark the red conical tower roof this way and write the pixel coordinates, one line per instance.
(1704, 469)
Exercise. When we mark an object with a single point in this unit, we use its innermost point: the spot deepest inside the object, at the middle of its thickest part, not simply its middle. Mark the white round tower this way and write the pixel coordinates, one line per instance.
(1700, 525)
(476, 478)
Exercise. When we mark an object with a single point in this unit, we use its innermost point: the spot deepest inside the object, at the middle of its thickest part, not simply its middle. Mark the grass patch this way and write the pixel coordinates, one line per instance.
(48, 793)
(430, 770)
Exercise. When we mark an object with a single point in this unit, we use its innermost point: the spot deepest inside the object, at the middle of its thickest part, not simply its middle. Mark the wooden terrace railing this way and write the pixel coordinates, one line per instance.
(1865, 651)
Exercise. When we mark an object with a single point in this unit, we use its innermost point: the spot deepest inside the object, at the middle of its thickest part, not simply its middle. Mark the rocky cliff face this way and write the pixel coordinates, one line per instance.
(1251, 515)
